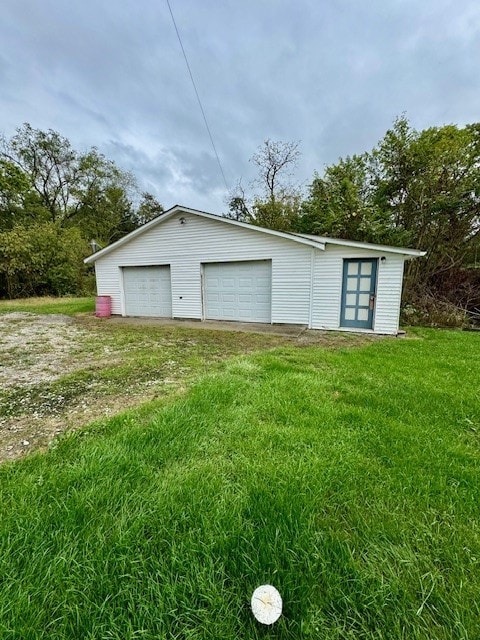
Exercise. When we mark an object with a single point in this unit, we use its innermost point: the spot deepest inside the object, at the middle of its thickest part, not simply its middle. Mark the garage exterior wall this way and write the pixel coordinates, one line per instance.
(327, 287)
(185, 247)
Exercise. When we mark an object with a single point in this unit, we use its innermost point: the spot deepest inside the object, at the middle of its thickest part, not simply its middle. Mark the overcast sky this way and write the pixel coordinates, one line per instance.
(332, 74)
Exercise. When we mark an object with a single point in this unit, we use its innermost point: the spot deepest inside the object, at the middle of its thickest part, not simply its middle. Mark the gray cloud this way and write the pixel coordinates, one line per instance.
(332, 74)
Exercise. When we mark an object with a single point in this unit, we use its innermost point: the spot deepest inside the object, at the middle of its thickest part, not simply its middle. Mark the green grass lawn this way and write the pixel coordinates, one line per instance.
(68, 306)
(349, 479)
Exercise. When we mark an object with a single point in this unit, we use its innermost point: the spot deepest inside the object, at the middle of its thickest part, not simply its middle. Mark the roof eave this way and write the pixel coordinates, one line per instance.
(417, 254)
(412, 253)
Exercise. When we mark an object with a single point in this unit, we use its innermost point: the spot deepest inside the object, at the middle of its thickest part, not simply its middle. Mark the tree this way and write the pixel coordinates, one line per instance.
(105, 215)
(41, 259)
(238, 208)
(53, 201)
(281, 214)
(68, 184)
(429, 184)
(148, 209)
(18, 201)
(277, 206)
(49, 161)
(420, 189)
(340, 204)
(276, 162)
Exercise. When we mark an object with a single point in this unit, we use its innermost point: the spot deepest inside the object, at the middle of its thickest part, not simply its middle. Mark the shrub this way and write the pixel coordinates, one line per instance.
(41, 259)
(432, 312)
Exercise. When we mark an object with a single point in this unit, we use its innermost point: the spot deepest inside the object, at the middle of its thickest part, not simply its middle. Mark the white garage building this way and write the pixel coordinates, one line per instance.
(191, 264)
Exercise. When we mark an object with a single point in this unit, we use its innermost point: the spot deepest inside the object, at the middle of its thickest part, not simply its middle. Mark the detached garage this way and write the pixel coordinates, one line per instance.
(191, 264)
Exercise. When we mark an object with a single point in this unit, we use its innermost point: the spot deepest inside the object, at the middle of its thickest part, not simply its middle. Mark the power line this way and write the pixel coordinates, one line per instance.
(198, 97)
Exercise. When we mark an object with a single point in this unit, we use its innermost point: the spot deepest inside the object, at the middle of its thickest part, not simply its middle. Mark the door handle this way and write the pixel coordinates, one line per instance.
(372, 301)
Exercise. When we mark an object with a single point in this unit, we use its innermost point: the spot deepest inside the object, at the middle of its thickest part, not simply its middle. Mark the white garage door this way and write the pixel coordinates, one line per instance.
(148, 291)
(238, 291)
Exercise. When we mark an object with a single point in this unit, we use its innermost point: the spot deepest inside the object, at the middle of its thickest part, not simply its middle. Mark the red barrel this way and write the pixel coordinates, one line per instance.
(103, 306)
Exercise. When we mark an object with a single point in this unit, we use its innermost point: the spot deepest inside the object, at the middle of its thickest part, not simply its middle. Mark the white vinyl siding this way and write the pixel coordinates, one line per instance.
(199, 241)
(147, 291)
(238, 291)
(389, 294)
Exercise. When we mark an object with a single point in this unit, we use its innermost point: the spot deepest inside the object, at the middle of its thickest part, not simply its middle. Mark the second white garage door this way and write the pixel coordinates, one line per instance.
(148, 291)
(238, 291)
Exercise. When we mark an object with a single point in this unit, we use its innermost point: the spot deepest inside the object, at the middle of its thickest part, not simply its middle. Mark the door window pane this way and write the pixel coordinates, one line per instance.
(366, 268)
(365, 284)
(364, 299)
(352, 284)
(349, 314)
(362, 314)
(353, 268)
(351, 299)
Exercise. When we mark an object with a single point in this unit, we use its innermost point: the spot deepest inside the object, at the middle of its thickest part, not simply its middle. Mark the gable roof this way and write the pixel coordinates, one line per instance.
(318, 242)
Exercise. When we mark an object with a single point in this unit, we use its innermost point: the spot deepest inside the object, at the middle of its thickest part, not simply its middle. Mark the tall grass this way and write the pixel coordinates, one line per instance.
(348, 479)
(68, 305)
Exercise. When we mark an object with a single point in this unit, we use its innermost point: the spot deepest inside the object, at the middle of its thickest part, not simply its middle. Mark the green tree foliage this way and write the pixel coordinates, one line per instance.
(18, 201)
(415, 188)
(429, 184)
(41, 259)
(341, 204)
(74, 188)
(281, 213)
(104, 215)
(53, 199)
(148, 209)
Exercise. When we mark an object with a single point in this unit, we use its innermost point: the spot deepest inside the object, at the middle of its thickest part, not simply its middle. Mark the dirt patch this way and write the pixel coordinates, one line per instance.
(21, 435)
(36, 348)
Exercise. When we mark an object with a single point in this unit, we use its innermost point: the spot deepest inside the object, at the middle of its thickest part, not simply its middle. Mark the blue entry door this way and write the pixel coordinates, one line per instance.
(358, 292)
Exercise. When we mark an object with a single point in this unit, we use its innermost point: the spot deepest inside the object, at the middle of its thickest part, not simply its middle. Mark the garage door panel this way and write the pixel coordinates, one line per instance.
(238, 291)
(148, 291)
